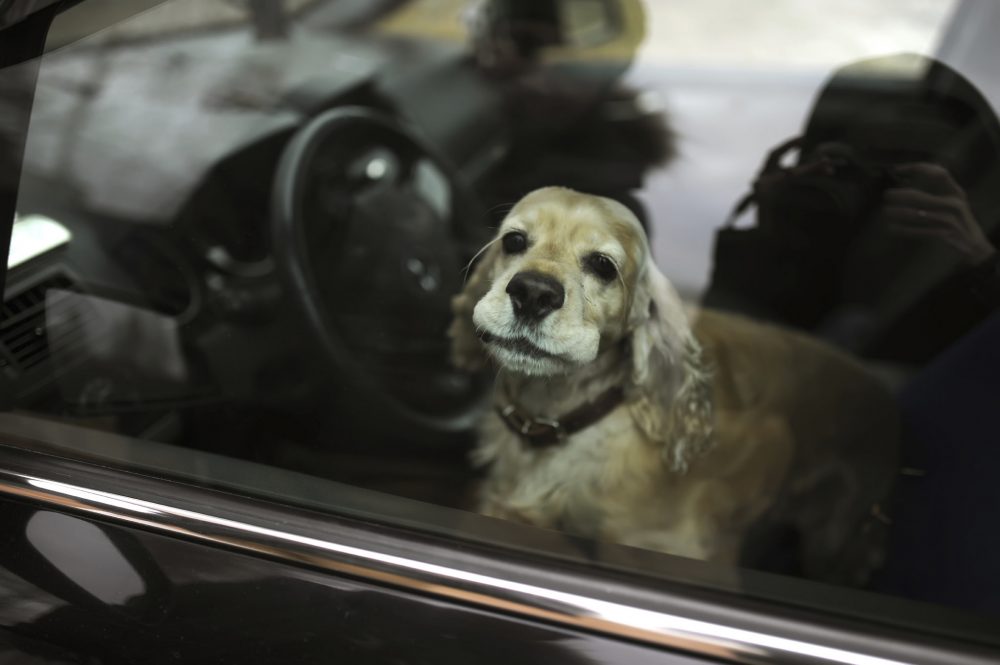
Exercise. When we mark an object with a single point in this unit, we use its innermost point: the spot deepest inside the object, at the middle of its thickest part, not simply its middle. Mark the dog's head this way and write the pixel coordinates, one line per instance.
(567, 276)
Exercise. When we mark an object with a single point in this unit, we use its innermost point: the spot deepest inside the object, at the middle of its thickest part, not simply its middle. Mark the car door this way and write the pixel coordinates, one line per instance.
(200, 483)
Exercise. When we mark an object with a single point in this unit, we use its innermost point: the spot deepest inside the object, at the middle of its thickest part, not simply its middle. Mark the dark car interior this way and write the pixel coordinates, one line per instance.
(276, 285)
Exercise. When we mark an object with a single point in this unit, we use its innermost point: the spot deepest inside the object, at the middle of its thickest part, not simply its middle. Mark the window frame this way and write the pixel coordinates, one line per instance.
(403, 552)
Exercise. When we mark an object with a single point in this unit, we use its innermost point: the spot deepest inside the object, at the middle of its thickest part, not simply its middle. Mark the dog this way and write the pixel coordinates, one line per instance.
(622, 415)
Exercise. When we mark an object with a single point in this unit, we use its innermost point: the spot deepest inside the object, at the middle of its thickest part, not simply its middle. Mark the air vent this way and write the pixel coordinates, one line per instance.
(22, 332)
(31, 300)
(27, 345)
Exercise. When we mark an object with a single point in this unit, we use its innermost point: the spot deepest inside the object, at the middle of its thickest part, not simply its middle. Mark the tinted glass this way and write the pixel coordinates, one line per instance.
(756, 328)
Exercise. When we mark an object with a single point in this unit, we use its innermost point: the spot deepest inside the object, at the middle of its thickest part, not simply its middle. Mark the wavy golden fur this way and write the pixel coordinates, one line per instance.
(728, 428)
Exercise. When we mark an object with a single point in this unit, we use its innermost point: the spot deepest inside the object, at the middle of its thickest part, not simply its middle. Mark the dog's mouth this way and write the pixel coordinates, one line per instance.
(518, 345)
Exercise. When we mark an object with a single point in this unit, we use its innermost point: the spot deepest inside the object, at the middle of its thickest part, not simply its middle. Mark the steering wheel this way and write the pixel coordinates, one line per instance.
(371, 230)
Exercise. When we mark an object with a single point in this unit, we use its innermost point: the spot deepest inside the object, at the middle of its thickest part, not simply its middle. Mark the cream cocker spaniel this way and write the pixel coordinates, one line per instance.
(622, 416)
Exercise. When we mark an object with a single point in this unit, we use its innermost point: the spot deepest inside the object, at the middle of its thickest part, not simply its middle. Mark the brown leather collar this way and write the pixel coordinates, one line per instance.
(543, 432)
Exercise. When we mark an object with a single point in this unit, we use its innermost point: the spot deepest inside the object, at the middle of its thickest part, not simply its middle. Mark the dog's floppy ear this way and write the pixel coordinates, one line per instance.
(670, 393)
(467, 351)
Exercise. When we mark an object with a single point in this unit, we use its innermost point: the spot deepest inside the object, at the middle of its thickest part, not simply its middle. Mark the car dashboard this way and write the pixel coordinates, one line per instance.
(162, 307)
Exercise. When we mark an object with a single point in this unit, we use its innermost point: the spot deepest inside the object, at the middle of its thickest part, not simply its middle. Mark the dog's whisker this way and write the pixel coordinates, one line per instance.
(627, 296)
(498, 206)
(468, 265)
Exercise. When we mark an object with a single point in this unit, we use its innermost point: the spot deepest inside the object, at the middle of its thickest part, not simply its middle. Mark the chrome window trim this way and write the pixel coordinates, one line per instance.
(609, 607)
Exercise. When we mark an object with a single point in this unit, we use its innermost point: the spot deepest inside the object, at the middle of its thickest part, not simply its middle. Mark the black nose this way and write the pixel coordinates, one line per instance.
(535, 295)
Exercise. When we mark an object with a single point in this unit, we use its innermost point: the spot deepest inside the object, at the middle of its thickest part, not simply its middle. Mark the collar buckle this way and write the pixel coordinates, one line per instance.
(538, 431)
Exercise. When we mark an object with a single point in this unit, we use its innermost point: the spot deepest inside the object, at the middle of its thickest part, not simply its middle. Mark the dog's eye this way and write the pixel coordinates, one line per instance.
(601, 266)
(515, 242)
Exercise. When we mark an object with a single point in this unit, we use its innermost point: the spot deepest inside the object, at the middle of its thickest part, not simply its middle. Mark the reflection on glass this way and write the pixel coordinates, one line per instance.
(84, 554)
(243, 227)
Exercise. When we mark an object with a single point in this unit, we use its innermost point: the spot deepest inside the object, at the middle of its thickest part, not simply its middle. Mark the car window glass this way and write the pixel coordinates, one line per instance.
(712, 282)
